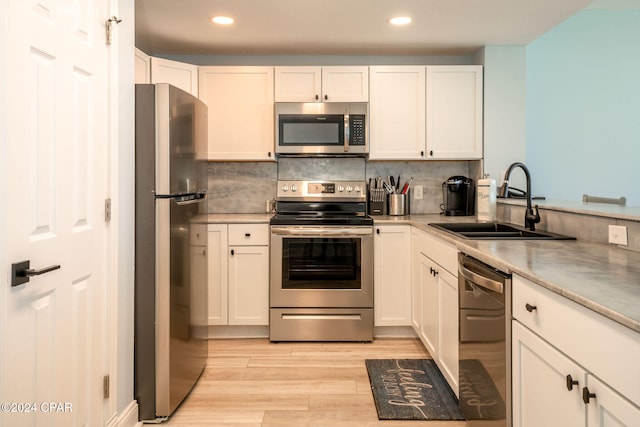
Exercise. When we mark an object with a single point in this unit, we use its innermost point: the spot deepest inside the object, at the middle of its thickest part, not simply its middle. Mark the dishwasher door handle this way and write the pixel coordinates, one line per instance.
(479, 280)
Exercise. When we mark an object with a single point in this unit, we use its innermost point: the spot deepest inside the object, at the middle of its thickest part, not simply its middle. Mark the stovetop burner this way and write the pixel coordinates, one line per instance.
(321, 203)
(324, 219)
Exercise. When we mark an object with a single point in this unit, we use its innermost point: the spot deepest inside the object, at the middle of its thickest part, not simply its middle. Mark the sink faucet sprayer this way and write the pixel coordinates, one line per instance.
(532, 216)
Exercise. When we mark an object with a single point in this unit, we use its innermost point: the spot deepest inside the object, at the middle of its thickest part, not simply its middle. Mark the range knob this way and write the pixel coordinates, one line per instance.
(357, 188)
(285, 187)
(349, 188)
(340, 188)
(294, 188)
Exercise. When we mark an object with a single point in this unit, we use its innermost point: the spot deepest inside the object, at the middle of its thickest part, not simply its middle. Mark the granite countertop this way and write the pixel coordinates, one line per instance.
(603, 278)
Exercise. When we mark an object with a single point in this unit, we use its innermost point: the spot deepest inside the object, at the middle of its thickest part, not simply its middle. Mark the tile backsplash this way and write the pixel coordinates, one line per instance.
(243, 187)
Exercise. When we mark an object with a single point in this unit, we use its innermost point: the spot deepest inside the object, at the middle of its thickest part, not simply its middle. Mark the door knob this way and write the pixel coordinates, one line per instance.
(21, 272)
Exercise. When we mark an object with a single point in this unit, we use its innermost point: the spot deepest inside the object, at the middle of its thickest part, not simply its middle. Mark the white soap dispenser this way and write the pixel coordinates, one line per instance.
(486, 199)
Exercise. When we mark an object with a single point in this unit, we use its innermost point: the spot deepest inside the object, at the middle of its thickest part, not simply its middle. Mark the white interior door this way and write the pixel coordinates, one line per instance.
(55, 164)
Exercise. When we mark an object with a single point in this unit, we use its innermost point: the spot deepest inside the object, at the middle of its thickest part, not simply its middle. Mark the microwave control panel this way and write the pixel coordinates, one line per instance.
(357, 129)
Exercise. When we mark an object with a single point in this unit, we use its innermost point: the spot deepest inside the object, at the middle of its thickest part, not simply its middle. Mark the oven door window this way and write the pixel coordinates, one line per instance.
(321, 263)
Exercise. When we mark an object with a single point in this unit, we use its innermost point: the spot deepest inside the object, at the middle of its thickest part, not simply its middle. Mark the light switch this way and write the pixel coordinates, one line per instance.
(418, 192)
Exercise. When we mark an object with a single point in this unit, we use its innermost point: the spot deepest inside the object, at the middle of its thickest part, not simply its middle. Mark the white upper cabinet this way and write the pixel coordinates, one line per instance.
(397, 113)
(178, 74)
(322, 84)
(432, 112)
(454, 112)
(241, 115)
(142, 63)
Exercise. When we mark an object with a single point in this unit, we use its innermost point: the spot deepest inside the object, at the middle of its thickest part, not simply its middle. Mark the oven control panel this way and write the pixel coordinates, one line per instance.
(324, 190)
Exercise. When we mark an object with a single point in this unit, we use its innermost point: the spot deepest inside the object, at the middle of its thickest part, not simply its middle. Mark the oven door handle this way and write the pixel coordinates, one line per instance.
(323, 232)
(481, 281)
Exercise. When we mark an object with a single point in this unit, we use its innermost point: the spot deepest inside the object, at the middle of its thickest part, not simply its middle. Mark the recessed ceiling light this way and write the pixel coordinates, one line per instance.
(400, 20)
(222, 20)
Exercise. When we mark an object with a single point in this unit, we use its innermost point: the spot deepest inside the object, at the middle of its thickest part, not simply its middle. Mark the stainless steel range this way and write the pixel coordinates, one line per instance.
(321, 285)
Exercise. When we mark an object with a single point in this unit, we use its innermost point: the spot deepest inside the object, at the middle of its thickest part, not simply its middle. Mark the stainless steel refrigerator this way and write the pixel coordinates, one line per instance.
(170, 355)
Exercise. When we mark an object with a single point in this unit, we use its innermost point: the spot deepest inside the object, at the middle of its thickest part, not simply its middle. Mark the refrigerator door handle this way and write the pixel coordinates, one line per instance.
(184, 198)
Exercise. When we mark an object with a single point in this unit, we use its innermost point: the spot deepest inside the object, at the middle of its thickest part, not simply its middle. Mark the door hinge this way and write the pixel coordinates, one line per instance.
(107, 210)
(109, 24)
(105, 387)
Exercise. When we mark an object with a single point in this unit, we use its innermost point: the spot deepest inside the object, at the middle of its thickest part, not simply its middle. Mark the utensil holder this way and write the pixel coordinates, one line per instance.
(398, 204)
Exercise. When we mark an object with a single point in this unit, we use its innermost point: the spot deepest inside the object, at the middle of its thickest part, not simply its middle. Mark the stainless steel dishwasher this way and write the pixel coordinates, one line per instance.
(484, 344)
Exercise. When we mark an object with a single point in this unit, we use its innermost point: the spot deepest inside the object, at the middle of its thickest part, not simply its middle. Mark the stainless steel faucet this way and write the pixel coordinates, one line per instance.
(531, 216)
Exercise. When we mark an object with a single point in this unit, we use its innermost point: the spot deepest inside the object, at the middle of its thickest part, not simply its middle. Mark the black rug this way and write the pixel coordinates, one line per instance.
(479, 397)
(411, 389)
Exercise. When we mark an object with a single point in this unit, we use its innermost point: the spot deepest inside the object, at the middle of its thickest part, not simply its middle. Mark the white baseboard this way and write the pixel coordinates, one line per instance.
(394, 332)
(128, 417)
(221, 332)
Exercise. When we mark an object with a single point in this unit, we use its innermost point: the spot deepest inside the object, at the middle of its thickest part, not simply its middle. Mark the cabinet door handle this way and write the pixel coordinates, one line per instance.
(317, 97)
(422, 154)
(377, 231)
(326, 97)
(571, 382)
(530, 307)
(587, 395)
(431, 153)
(233, 252)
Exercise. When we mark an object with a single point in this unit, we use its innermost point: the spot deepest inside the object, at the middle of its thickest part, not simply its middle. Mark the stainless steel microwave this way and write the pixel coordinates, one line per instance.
(322, 128)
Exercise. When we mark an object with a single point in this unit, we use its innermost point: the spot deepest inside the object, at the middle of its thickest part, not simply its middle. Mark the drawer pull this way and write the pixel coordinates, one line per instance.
(571, 382)
(530, 307)
(233, 252)
(586, 395)
(247, 234)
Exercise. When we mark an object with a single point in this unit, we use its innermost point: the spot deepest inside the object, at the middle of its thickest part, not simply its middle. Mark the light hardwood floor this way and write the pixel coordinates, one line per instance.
(252, 382)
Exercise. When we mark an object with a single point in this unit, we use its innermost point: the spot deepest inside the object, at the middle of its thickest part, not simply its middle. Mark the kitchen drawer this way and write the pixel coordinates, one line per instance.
(198, 235)
(248, 234)
(599, 344)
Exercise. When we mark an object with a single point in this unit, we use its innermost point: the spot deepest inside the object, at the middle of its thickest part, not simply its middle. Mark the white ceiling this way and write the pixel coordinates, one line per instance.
(343, 27)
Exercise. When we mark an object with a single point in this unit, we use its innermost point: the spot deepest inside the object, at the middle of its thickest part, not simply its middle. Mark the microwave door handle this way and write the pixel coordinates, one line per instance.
(346, 130)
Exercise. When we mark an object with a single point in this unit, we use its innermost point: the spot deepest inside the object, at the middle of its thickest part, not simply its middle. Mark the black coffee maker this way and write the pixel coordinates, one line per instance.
(458, 195)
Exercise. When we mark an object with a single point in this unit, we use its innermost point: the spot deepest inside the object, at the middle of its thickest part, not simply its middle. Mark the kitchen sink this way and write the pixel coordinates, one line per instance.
(496, 231)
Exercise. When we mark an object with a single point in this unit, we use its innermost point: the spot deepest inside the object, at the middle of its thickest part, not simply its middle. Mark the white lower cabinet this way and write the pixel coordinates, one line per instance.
(435, 301)
(238, 274)
(570, 366)
(392, 275)
(609, 409)
(540, 395)
(249, 285)
(198, 275)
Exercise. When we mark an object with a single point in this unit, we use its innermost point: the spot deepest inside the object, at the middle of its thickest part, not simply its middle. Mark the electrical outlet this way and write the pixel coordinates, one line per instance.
(418, 192)
(618, 235)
